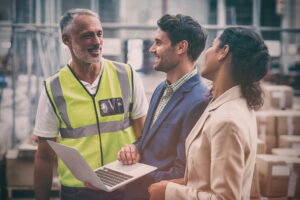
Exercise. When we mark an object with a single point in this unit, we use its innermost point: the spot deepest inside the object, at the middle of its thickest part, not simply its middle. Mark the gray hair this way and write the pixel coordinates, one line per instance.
(70, 15)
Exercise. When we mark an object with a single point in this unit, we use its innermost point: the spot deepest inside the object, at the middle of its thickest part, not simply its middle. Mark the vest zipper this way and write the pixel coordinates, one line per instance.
(99, 133)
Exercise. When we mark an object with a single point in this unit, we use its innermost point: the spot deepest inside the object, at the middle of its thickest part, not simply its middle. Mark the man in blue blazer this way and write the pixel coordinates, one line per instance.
(175, 107)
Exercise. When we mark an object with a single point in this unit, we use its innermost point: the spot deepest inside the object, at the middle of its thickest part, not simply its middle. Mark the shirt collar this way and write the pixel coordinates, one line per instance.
(181, 81)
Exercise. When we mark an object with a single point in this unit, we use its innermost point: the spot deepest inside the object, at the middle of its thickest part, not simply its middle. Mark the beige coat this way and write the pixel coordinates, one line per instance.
(220, 152)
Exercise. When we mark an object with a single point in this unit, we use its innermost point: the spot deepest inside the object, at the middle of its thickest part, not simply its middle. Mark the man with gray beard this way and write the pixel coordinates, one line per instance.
(92, 104)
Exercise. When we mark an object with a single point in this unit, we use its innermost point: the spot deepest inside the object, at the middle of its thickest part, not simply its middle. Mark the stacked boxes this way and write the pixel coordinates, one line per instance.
(261, 147)
(255, 193)
(266, 128)
(278, 175)
(288, 122)
(272, 124)
(278, 97)
(289, 141)
(19, 169)
(278, 126)
(286, 152)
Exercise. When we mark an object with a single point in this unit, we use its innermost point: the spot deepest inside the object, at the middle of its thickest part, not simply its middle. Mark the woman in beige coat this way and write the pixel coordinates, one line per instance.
(221, 147)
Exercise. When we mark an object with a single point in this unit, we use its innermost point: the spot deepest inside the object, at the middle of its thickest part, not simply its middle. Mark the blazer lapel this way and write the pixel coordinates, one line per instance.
(153, 104)
(196, 129)
(229, 95)
(192, 136)
(175, 100)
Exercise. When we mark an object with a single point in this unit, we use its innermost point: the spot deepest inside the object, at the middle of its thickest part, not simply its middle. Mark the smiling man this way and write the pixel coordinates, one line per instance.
(92, 104)
(176, 104)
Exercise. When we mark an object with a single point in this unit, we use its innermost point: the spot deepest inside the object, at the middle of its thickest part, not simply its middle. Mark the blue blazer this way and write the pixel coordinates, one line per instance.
(163, 144)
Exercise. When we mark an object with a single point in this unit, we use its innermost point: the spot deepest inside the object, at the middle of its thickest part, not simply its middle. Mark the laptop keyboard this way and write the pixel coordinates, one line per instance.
(111, 177)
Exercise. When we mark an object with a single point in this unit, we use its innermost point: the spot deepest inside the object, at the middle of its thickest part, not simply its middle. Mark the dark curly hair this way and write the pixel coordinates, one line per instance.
(250, 61)
(182, 27)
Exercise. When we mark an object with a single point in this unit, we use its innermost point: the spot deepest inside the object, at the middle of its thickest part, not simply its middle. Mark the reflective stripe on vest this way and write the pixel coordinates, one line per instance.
(79, 112)
(89, 130)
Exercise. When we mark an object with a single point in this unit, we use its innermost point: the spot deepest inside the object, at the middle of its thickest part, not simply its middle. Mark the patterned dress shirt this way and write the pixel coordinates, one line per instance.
(169, 91)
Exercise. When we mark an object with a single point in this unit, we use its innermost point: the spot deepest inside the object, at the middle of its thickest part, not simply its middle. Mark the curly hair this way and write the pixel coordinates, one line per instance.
(250, 61)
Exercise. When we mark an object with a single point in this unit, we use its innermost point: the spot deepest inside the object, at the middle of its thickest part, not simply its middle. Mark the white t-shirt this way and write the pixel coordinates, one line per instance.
(47, 124)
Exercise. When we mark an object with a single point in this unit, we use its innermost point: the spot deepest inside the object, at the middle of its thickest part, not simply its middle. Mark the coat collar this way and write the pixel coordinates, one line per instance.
(229, 95)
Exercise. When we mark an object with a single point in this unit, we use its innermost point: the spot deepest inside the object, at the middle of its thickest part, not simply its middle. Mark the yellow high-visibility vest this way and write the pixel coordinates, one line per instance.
(84, 117)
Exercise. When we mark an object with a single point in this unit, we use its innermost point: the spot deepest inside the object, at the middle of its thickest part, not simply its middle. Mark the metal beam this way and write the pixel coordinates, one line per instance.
(256, 6)
(164, 7)
(44, 27)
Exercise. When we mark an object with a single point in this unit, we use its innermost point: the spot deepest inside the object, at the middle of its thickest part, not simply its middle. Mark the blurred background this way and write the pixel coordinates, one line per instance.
(31, 50)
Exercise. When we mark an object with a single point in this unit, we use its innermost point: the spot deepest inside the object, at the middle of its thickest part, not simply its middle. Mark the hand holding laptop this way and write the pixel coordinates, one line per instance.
(109, 177)
(129, 154)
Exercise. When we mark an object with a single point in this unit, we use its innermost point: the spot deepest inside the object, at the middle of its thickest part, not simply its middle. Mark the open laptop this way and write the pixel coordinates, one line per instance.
(108, 177)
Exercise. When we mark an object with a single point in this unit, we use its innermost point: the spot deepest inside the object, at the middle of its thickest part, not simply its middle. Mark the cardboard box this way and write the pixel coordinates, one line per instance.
(27, 150)
(271, 142)
(266, 128)
(278, 175)
(286, 152)
(273, 123)
(265, 123)
(288, 122)
(278, 96)
(19, 170)
(261, 147)
(289, 141)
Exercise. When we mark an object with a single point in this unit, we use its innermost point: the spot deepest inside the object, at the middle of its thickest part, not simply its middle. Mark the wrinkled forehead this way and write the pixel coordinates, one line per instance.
(85, 22)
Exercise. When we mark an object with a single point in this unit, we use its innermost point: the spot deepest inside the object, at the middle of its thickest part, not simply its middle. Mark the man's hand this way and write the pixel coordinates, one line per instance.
(157, 190)
(129, 154)
(43, 168)
(90, 186)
